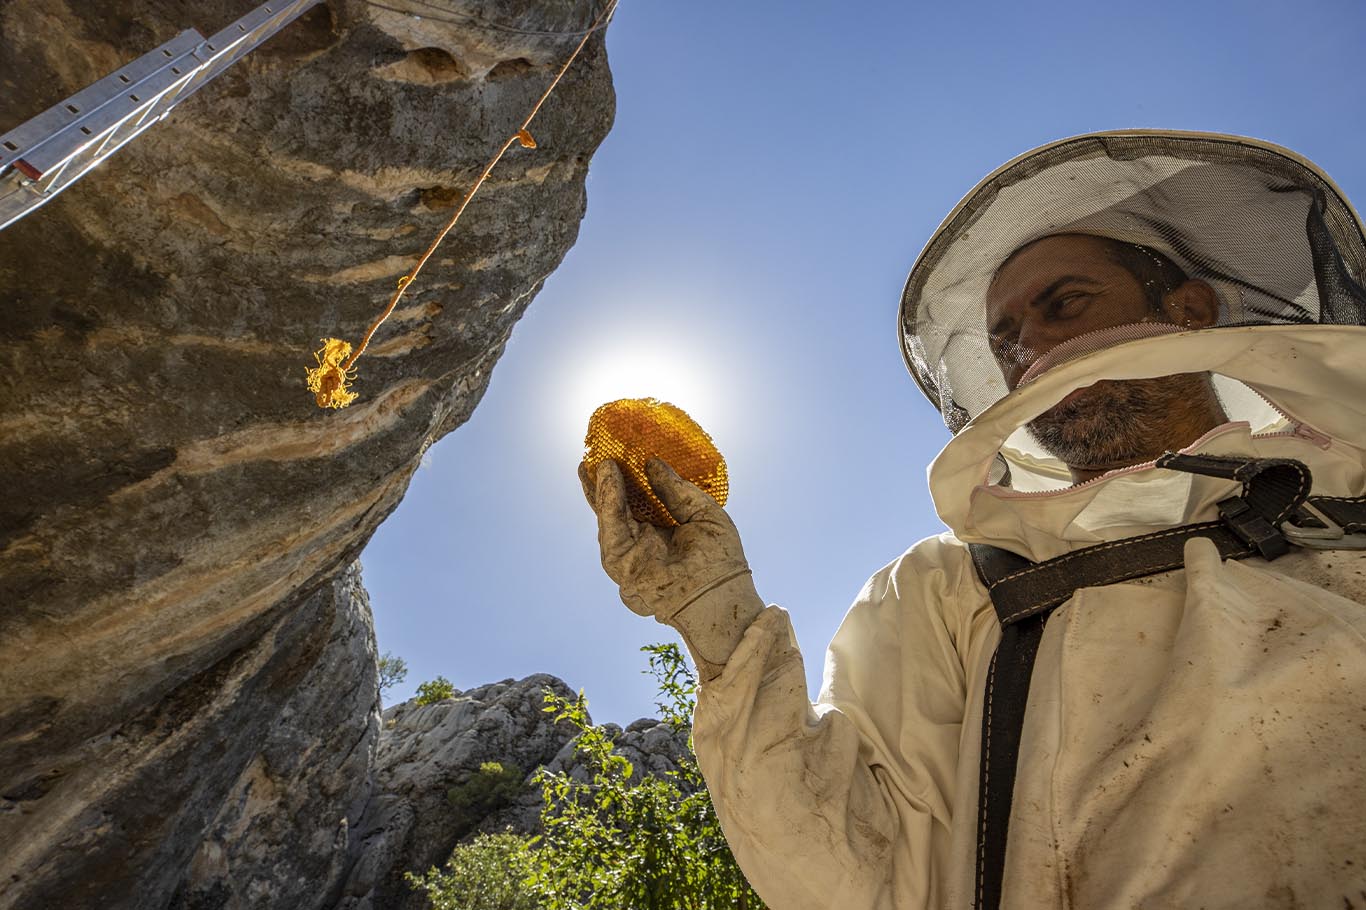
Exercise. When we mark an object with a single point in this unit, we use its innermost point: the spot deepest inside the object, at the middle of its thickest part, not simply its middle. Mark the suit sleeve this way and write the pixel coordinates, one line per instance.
(844, 802)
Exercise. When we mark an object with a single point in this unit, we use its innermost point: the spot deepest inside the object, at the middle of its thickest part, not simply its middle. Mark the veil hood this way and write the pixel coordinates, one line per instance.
(1268, 231)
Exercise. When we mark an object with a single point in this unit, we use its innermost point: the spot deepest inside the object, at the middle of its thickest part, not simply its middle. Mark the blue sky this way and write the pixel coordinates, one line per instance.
(773, 172)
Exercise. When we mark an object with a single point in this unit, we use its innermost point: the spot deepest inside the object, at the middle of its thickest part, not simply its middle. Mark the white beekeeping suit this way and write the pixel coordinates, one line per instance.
(1192, 738)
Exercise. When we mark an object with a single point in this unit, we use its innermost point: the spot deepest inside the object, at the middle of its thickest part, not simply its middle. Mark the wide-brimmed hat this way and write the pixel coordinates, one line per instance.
(1265, 228)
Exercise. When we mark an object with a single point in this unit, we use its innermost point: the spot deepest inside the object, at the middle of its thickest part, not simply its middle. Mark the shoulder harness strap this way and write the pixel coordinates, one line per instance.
(1272, 511)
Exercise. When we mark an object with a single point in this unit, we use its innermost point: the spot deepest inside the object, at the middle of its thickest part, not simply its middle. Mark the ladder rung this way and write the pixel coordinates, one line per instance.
(44, 155)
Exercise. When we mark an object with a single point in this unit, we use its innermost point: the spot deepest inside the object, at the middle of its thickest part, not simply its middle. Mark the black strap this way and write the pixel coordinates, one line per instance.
(1274, 489)
(1003, 711)
(1024, 594)
(1348, 511)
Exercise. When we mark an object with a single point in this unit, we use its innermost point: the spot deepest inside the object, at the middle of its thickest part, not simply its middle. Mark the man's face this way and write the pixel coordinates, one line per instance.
(1060, 288)
(1054, 290)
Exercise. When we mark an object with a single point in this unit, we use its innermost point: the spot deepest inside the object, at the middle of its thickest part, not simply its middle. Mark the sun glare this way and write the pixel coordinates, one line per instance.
(645, 371)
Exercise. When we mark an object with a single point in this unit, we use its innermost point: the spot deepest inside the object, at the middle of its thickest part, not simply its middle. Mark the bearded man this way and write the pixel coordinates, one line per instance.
(1060, 287)
(1130, 674)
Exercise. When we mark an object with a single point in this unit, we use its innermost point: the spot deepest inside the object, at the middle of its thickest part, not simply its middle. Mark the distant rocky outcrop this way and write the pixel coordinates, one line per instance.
(653, 748)
(427, 753)
(183, 643)
(430, 790)
(338, 805)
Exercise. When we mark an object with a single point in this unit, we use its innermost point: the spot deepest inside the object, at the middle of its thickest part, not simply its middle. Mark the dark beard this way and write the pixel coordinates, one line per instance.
(1120, 422)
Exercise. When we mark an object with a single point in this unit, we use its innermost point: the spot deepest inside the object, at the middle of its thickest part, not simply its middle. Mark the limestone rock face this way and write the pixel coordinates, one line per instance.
(178, 513)
(654, 749)
(282, 837)
(426, 752)
(251, 752)
(431, 790)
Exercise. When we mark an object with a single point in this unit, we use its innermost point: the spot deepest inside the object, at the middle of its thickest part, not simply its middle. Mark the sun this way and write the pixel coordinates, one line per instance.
(642, 374)
(635, 369)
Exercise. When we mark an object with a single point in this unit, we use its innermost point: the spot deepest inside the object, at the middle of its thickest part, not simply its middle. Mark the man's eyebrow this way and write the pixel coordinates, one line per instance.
(1045, 294)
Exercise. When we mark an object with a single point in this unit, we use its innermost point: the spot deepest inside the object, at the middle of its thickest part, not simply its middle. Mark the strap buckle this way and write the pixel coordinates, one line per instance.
(1272, 489)
(1332, 536)
(1251, 528)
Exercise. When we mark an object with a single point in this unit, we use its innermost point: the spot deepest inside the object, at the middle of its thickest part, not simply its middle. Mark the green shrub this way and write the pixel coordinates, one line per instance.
(486, 791)
(612, 842)
(439, 689)
(619, 842)
(494, 872)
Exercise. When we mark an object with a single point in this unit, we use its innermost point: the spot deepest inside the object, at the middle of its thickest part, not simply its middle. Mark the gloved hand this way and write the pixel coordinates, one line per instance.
(693, 577)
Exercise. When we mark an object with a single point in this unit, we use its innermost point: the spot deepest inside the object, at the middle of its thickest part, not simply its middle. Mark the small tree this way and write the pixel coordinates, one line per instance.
(392, 670)
(439, 689)
(620, 842)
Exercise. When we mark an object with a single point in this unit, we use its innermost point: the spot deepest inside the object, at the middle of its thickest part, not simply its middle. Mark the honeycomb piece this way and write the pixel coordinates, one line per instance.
(330, 380)
(631, 431)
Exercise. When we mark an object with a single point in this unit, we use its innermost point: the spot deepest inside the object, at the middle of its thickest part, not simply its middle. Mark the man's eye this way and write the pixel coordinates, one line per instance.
(1068, 305)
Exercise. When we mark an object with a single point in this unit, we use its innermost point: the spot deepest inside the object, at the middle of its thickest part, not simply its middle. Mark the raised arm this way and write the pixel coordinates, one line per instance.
(693, 577)
(842, 803)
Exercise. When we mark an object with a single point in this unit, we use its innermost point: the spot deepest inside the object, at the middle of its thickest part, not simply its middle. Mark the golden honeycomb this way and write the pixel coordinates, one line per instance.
(631, 431)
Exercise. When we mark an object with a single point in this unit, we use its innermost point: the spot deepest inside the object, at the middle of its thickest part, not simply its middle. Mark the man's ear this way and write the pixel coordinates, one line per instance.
(1193, 305)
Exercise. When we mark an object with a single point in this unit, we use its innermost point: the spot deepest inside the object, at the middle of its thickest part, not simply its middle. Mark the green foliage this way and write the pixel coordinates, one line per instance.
(623, 842)
(612, 839)
(677, 685)
(439, 689)
(494, 872)
(486, 791)
(392, 670)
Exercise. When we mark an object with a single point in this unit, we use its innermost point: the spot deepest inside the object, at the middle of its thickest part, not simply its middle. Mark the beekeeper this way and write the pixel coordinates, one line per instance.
(1132, 674)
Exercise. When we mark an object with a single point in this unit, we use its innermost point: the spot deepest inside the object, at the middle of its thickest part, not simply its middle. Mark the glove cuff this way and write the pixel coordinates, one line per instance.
(702, 591)
(713, 620)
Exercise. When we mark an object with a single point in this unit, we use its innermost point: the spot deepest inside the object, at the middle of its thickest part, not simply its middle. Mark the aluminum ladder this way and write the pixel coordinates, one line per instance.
(45, 155)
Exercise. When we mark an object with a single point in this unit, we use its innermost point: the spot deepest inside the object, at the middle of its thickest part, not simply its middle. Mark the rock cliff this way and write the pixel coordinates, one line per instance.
(425, 753)
(181, 631)
(282, 835)
(337, 805)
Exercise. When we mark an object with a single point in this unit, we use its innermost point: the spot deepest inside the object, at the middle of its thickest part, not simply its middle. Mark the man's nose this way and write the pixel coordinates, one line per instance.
(1032, 342)
(1035, 340)
(1028, 338)
(1011, 358)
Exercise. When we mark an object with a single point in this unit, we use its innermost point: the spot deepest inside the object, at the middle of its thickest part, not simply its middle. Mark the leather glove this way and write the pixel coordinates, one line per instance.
(693, 577)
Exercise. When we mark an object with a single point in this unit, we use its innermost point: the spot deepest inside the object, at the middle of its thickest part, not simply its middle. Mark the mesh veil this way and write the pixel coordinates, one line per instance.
(1265, 230)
